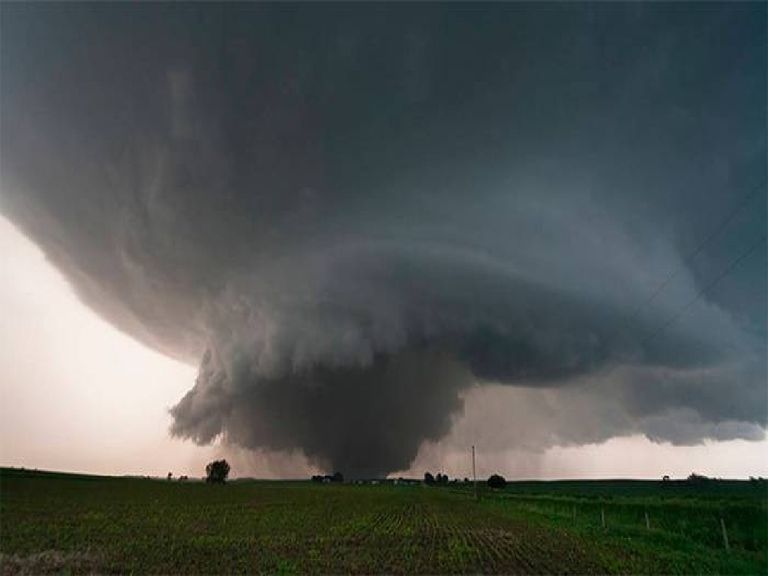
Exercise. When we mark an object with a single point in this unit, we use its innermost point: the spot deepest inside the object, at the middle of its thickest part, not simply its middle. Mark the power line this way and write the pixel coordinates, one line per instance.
(732, 266)
(688, 259)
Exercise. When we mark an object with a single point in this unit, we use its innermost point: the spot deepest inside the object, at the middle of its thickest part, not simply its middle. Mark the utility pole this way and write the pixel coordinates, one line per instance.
(474, 474)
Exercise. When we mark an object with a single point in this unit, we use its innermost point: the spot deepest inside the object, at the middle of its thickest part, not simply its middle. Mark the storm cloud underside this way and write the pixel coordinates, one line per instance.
(347, 215)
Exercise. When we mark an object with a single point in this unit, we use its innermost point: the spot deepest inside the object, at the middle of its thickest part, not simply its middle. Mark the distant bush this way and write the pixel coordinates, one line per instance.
(216, 472)
(497, 481)
(697, 479)
(336, 477)
(441, 479)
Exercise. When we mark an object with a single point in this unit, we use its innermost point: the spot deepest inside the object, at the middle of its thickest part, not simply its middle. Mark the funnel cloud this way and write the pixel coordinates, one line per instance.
(348, 215)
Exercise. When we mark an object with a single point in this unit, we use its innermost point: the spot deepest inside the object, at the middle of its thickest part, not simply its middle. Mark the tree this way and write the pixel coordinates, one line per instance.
(428, 478)
(497, 481)
(216, 472)
(697, 478)
(335, 477)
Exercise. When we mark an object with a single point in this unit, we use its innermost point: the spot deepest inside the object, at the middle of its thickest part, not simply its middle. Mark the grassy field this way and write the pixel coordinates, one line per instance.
(83, 524)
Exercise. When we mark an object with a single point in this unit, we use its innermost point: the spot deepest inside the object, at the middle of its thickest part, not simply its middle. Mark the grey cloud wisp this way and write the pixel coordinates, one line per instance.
(348, 214)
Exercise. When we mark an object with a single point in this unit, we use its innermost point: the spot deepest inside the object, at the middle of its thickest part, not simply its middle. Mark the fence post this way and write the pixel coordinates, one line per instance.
(602, 516)
(725, 535)
(647, 521)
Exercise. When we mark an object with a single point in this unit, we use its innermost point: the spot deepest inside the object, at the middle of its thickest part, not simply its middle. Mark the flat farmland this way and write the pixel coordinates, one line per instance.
(84, 524)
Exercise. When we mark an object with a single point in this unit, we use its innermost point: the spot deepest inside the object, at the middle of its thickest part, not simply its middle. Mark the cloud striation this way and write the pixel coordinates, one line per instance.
(347, 215)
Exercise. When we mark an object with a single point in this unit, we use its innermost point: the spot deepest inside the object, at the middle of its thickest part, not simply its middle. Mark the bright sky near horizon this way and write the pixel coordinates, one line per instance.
(78, 395)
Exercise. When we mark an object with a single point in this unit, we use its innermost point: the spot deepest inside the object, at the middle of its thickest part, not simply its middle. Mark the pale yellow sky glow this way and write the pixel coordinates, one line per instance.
(78, 395)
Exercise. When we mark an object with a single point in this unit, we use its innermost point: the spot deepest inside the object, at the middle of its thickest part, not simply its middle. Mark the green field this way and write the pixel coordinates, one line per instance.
(84, 524)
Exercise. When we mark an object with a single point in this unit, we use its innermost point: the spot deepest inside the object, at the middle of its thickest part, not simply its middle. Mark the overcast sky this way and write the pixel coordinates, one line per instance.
(365, 237)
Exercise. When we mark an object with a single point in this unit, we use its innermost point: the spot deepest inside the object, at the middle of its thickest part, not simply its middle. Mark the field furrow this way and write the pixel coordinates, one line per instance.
(74, 525)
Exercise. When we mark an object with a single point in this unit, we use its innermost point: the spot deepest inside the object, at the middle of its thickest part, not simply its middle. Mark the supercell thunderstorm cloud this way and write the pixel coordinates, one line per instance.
(348, 215)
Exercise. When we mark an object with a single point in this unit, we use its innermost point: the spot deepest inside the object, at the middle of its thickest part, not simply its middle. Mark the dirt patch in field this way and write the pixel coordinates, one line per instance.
(49, 562)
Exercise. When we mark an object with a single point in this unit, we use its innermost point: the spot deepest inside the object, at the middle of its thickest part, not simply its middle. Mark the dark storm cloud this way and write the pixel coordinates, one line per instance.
(351, 213)
(361, 419)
